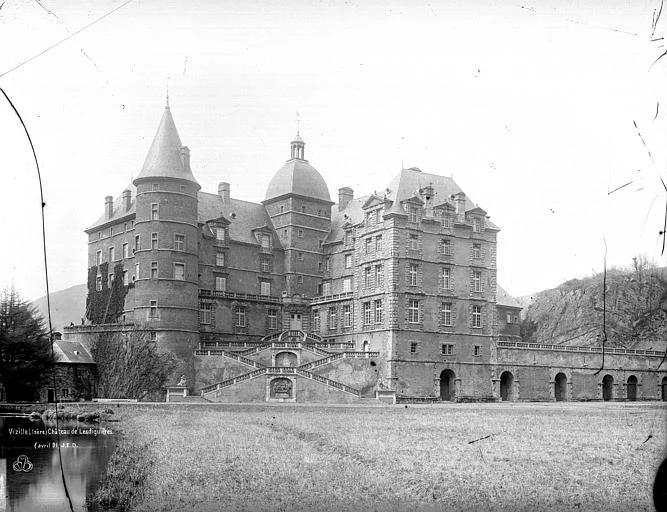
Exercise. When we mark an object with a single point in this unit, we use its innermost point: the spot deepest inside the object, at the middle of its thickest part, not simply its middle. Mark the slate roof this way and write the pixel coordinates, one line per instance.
(71, 352)
(119, 210)
(408, 182)
(243, 216)
(505, 299)
(354, 213)
(298, 177)
(164, 156)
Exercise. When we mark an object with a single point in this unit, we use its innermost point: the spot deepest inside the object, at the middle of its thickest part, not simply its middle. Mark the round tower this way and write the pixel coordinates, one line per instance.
(166, 240)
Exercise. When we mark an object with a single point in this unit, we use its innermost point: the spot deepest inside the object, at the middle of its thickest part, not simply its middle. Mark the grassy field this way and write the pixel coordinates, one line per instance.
(310, 458)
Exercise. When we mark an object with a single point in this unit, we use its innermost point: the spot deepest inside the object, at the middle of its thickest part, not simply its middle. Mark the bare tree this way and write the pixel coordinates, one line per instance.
(129, 364)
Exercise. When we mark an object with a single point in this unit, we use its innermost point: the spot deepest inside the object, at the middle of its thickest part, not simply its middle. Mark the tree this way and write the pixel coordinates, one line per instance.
(129, 365)
(26, 360)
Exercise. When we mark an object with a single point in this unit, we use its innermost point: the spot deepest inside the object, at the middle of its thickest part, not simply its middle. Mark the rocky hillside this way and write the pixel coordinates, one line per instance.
(573, 313)
(68, 305)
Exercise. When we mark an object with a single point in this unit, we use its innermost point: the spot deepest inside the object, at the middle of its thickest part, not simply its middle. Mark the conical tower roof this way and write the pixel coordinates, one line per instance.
(167, 157)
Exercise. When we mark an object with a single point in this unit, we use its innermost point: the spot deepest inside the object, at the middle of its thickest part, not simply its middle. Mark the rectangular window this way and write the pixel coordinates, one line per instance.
(368, 277)
(98, 258)
(240, 316)
(447, 221)
(378, 243)
(348, 261)
(368, 313)
(316, 320)
(112, 254)
(371, 218)
(446, 247)
(378, 312)
(205, 312)
(413, 347)
(220, 233)
(220, 259)
(447, 313)
(136, 271)
(152, 309)
(265, 288)
(412, 274)
(413, 242)
(179, 242)
(348, 238)
(153, 335)
(300, 233)
(347, 284)
(110, 279)
(477, 316)
(476, 281)
(413, 311)
(221, 283)
(179, 271)
(332, 318)
(153, 269)
(509, 318)
(126, 278)
(273, 319)
(156, 187)
(327, 264)
(266, 265)
(137, 245)
(299, 256)
(155, 211)
(476, 225)
(446, 278)
(476, 250)
(369, 245)
(379, 275)
(265, 240)
(326, 287)
(347, 315)
(126, 250)
(447, 349)
(153, 240)
(477, 350)
(303, 208)
(413, 214)
(320, 266)
(299, 279)
(98, 283)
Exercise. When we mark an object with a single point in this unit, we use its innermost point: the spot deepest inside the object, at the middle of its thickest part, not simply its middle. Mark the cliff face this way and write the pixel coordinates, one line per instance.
(572, 313)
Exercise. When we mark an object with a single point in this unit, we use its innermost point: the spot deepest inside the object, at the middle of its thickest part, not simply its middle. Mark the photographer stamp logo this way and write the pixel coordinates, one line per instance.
(22, 463)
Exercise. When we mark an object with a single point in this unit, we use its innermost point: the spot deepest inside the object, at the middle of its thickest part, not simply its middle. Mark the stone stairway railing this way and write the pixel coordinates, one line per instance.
(333, 357)
(231, 355)
(283, 370)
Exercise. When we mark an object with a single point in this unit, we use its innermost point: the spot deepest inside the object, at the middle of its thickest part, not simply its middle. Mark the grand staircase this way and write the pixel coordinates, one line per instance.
(285, 340)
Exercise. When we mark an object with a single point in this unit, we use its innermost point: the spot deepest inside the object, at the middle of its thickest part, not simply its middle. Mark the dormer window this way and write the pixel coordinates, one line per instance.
(265, 241)
(219, 233)
(476, 225)
(413, 214)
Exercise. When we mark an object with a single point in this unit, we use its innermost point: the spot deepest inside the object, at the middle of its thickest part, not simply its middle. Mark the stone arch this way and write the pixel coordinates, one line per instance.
(365, 346)
(560, 387)
(281, 388)
(286, 359)
(631, 388)
(607, 388)
(506, 386)
(447, 385)
(663, 389)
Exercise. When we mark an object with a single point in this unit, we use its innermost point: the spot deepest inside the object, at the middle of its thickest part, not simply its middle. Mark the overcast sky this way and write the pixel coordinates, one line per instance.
(530, 106)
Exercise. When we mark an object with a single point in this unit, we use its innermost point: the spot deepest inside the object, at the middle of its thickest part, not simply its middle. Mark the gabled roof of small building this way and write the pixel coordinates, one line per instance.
(505, 299)
(71, 352)
(164, 156)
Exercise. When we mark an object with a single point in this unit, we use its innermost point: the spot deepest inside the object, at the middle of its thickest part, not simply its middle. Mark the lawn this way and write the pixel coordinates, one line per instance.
(576, 456)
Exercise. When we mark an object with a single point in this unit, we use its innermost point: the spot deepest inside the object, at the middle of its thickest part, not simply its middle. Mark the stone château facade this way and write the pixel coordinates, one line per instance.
(302, 298)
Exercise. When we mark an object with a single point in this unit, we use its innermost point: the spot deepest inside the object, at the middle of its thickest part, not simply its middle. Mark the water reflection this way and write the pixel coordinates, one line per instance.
(85, 452)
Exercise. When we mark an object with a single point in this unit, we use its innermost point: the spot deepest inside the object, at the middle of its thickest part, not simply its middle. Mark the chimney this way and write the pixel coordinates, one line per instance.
(108, 207)
(185, 158)
(345, 195)
(460, 204)
(223, 192)
(127, 199)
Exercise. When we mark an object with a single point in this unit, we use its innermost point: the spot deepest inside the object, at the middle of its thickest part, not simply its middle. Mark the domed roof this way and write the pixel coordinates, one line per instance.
(298, 177)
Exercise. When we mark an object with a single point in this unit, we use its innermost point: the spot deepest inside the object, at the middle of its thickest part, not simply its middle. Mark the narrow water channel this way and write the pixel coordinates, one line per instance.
(30, 476)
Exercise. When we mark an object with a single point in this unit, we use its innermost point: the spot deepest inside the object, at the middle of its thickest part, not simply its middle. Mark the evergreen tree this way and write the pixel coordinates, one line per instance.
(25, 350)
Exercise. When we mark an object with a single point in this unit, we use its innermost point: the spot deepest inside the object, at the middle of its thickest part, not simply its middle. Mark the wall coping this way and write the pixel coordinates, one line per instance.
(574, 348)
